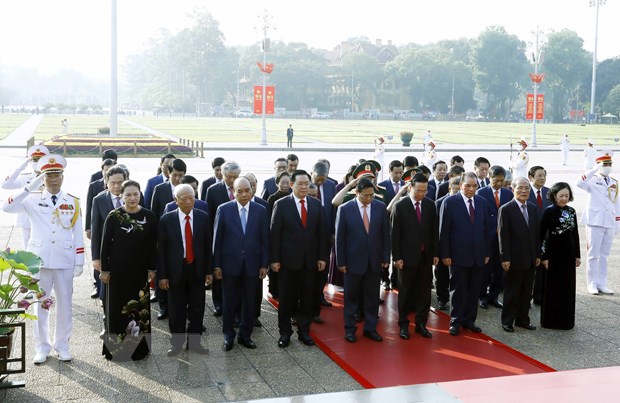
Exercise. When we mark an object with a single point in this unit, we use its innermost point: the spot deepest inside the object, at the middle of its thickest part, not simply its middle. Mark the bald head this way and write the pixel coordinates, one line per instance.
(243, 190)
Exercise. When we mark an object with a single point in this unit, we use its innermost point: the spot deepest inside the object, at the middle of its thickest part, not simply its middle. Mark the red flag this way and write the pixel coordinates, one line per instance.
(270, 99)
(258, 99)
(540, 106)
(529, 107)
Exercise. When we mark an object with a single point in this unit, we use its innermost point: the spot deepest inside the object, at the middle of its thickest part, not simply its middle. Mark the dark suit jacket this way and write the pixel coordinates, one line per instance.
(487, 182)
(94, 189)
(519, 243)
(431, 193)
(150, 188)
(294, 246)
(217, 194)
(328, 191)
(543, 194)
(102, 205)
(170, 246)
(96, 176)
(199, 205)
(357, 249)
(408, 236)
(205, 185)
(162, 195)
(389, 190)
(269, 188)
(465, 243)
(237, 253)
(443, 189)
(262, 203)
(488, 193)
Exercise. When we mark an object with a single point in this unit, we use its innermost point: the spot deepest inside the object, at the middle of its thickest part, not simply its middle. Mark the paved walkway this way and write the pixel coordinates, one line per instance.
(268, 371)
(20, 136)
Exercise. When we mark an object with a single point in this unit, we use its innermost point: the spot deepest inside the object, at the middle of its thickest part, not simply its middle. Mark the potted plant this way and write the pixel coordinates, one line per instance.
(406, 137)
(17, 280)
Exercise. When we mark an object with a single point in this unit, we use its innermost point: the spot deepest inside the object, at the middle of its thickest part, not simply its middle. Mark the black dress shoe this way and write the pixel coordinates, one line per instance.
(198, 349)
(247, 343)
(228, 345)
(454, 330)
(496, 303)
(325, 302)
(162, 315)
(508, 328)
(217, 312)
(473, 328)
(306, 339)
(174, 351)
(404, 333)
(94, 294)
(373, 335)
(204, 328)
(284, 341)
(421, 329)
(257, 323)
(318, 320)
(350, 337)
(484, 304)
(529, 326)
(442, 306)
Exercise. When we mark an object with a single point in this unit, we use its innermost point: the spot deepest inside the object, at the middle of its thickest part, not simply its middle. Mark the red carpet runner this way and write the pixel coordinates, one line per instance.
(417, 360)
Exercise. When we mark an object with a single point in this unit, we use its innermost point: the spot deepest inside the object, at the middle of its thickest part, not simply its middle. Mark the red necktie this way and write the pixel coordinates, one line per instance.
(230, 194)
(418, 212)
(497, 198)
(366, 219)
(304, 213)
(472, 212)
(318, 194)
(539, 200)
(189, 241)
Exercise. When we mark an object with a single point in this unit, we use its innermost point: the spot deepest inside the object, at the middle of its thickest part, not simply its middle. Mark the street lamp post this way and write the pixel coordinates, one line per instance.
(535, 80)
(113, 72)
(597, 4)
(452, 100)
(263, 134)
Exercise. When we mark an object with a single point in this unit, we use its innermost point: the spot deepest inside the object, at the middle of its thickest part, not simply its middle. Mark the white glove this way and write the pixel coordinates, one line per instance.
(77, 270)
(36, 183)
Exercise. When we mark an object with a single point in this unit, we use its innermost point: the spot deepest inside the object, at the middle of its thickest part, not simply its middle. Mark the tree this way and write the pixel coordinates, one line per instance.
(612, 103)
(607, 77)
(566, 65)
(499, 67)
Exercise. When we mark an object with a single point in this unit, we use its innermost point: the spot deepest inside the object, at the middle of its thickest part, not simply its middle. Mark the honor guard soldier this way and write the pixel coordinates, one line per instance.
(57, 238)
(519, 163)
(20, 178)
(601, 217)
(430, 156)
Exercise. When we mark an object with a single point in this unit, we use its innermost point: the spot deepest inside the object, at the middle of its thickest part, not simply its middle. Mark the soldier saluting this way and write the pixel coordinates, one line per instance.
(57, 238)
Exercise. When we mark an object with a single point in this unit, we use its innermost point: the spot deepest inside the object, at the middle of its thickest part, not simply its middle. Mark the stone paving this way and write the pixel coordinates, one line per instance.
(268, 371)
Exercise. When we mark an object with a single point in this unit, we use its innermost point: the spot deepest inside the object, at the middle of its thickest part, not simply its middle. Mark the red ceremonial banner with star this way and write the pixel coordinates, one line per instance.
(540, 106)
(269, 99)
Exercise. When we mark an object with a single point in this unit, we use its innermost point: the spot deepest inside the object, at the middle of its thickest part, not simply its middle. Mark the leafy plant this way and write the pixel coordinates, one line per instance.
(17, 278)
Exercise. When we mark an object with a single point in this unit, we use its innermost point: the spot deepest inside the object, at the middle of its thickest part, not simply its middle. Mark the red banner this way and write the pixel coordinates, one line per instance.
(540, 106)
(269, 100)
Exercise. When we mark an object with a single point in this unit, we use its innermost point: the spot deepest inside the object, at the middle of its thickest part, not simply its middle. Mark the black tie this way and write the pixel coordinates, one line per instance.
(54, 198)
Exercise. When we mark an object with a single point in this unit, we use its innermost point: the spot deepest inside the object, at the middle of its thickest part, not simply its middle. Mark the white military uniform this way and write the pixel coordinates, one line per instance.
(58, 239)
(602, 220)
(429, 158)
(519, 164)
(565, 147)
(380, 158)
(589, 157)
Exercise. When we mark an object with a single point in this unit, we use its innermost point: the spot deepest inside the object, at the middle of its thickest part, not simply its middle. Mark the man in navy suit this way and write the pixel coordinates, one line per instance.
(537, 176)
(103, 203)
(217, 177)
(519, 242)
(162, 195)
(94, 188)
(444, 188)
(362, 249)
(218, 194)
(493, 276)
(107, 154)
(184, 267)
(269, 186)
(481, 168)
(394, 183)
(326, 190)
(415, 249)
(162, 176)
(240, 257)
(464, 247)
(440, 169)
(198, 204)
(298, 248)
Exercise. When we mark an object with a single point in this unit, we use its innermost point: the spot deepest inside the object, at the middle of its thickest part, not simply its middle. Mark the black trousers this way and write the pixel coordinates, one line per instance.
(442, 282)
(414, 291)
(238, 291)
(492, 275)
(273, 283)
(537, 293)
(464, 291)
(296, 292)
(186, 306)
(364, 288)
(216, 294)
(320, 279)
(517, 296)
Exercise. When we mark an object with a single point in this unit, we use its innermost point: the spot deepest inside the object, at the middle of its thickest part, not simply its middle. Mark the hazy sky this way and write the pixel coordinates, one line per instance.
(51, 35)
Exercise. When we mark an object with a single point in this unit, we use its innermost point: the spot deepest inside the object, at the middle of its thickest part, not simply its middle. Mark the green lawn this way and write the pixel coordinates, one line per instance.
(10, 122)
(345, 131)
(82, 124)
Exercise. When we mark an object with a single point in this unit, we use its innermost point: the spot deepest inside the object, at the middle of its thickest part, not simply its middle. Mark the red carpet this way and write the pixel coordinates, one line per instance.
(417, 360)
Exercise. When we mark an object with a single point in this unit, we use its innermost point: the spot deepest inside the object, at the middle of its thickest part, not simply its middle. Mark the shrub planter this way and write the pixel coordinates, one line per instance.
(406, 137)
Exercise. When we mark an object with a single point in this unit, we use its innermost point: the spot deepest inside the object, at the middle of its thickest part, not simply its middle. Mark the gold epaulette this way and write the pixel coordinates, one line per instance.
(75, 197)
